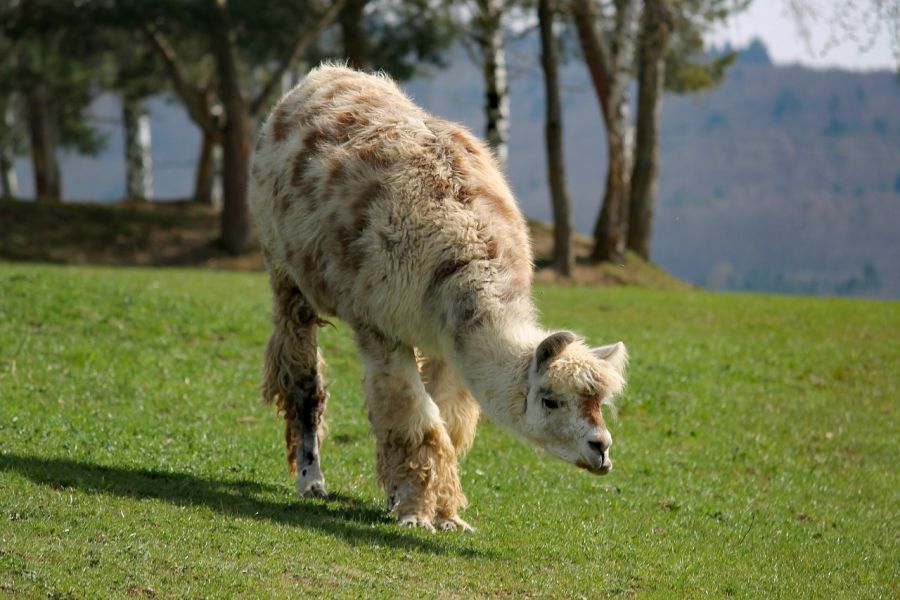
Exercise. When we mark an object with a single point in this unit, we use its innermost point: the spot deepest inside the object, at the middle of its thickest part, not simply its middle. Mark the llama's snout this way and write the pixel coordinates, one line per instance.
(596, 457)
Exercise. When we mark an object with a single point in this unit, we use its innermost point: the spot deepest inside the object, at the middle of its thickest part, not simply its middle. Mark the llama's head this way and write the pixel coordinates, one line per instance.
(567, 384)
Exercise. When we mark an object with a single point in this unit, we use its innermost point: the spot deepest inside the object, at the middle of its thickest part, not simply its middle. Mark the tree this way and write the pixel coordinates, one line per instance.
(135, 77)
(271, 25)
(671, 52)
(656, 24)
(57, 72)
(610, 70)
(9, 186)
(353, 35)
(197, 66)
(10, 133)
(488, 33)
(209, 157)
(563, 258)
(484, 25)
(859, 23)
(401, 38)
(42, 131)
(671, 57)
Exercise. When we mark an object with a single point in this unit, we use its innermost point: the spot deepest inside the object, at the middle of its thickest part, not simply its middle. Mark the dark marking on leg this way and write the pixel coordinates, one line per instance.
(309, 398)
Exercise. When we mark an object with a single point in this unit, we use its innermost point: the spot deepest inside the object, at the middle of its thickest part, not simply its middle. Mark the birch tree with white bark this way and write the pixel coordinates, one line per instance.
(9, 184)
(488, 23)
(138, 161)
(609, 56)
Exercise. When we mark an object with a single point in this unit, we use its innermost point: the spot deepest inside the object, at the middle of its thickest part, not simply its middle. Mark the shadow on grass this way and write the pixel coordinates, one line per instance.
(341, 516)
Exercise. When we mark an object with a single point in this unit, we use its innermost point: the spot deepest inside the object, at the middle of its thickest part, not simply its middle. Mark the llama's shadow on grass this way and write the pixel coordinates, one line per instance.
(341, 516)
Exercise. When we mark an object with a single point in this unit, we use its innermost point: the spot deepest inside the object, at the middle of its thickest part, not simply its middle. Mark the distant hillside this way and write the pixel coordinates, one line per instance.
(783, 179)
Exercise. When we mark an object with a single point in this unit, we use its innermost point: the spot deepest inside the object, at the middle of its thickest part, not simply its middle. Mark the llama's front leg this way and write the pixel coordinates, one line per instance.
(416, 460)
(459, 412)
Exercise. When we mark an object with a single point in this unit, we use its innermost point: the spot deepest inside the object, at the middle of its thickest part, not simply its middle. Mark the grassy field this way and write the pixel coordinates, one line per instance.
(756, 454)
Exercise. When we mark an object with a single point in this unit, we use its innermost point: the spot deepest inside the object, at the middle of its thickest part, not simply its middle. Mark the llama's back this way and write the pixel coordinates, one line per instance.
(385, 216)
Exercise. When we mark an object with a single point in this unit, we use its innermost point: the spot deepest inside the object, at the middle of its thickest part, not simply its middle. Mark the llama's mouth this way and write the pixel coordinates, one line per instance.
(601, 469)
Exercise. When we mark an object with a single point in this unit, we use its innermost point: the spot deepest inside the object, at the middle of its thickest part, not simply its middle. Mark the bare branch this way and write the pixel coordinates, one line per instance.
(596, 54)
(192, 97)
(857, 23)
(300, 44)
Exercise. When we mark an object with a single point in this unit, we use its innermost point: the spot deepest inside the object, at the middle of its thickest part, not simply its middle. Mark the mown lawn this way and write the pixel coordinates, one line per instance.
(755, 454)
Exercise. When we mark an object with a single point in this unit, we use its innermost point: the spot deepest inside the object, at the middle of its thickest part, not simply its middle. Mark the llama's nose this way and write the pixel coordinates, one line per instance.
(598, 447)
(602, 443)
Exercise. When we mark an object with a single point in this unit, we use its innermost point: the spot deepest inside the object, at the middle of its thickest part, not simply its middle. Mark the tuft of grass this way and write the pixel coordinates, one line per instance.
(754, 454)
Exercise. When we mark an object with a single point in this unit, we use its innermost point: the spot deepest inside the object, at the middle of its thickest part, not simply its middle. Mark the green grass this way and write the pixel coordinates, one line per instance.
(755, 451)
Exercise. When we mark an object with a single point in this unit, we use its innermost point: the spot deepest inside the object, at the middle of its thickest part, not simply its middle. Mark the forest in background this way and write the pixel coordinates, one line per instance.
(783, 179)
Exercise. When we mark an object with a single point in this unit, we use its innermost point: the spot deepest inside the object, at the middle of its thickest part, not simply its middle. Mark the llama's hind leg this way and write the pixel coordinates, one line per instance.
(293, 380)
(416, 460)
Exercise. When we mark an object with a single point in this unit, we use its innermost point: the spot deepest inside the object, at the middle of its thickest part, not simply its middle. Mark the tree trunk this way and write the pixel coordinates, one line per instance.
(656, 24)
(563, 260)
(610, 73)
(595, 53)
(206, 170)
(9, 184)
(356, 46)
(490, 40)
(138, 161)
(235, 136)
(43, 138)
(612, 223)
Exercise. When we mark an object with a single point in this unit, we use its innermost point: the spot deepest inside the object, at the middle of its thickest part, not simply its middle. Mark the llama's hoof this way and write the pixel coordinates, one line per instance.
(453, 523)
(415, 521)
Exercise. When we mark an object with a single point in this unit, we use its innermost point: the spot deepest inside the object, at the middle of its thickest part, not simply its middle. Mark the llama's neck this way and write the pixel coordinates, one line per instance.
(493, 363)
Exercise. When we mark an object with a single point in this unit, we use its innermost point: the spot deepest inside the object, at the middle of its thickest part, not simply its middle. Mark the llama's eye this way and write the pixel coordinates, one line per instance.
(549, 403)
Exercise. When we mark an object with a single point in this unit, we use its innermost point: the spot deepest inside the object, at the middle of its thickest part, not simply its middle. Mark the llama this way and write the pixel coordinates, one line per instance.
(402, 225)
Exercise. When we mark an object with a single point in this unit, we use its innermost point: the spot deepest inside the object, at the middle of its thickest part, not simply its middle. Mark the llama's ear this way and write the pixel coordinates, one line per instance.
(614, 354)
(550, 348)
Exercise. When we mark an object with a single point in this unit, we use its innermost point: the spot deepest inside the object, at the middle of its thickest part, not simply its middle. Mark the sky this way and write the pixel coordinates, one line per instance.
(771, 21)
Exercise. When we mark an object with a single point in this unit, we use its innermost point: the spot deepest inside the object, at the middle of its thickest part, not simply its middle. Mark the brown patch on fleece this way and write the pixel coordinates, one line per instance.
(589, 407)
(281, 124)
